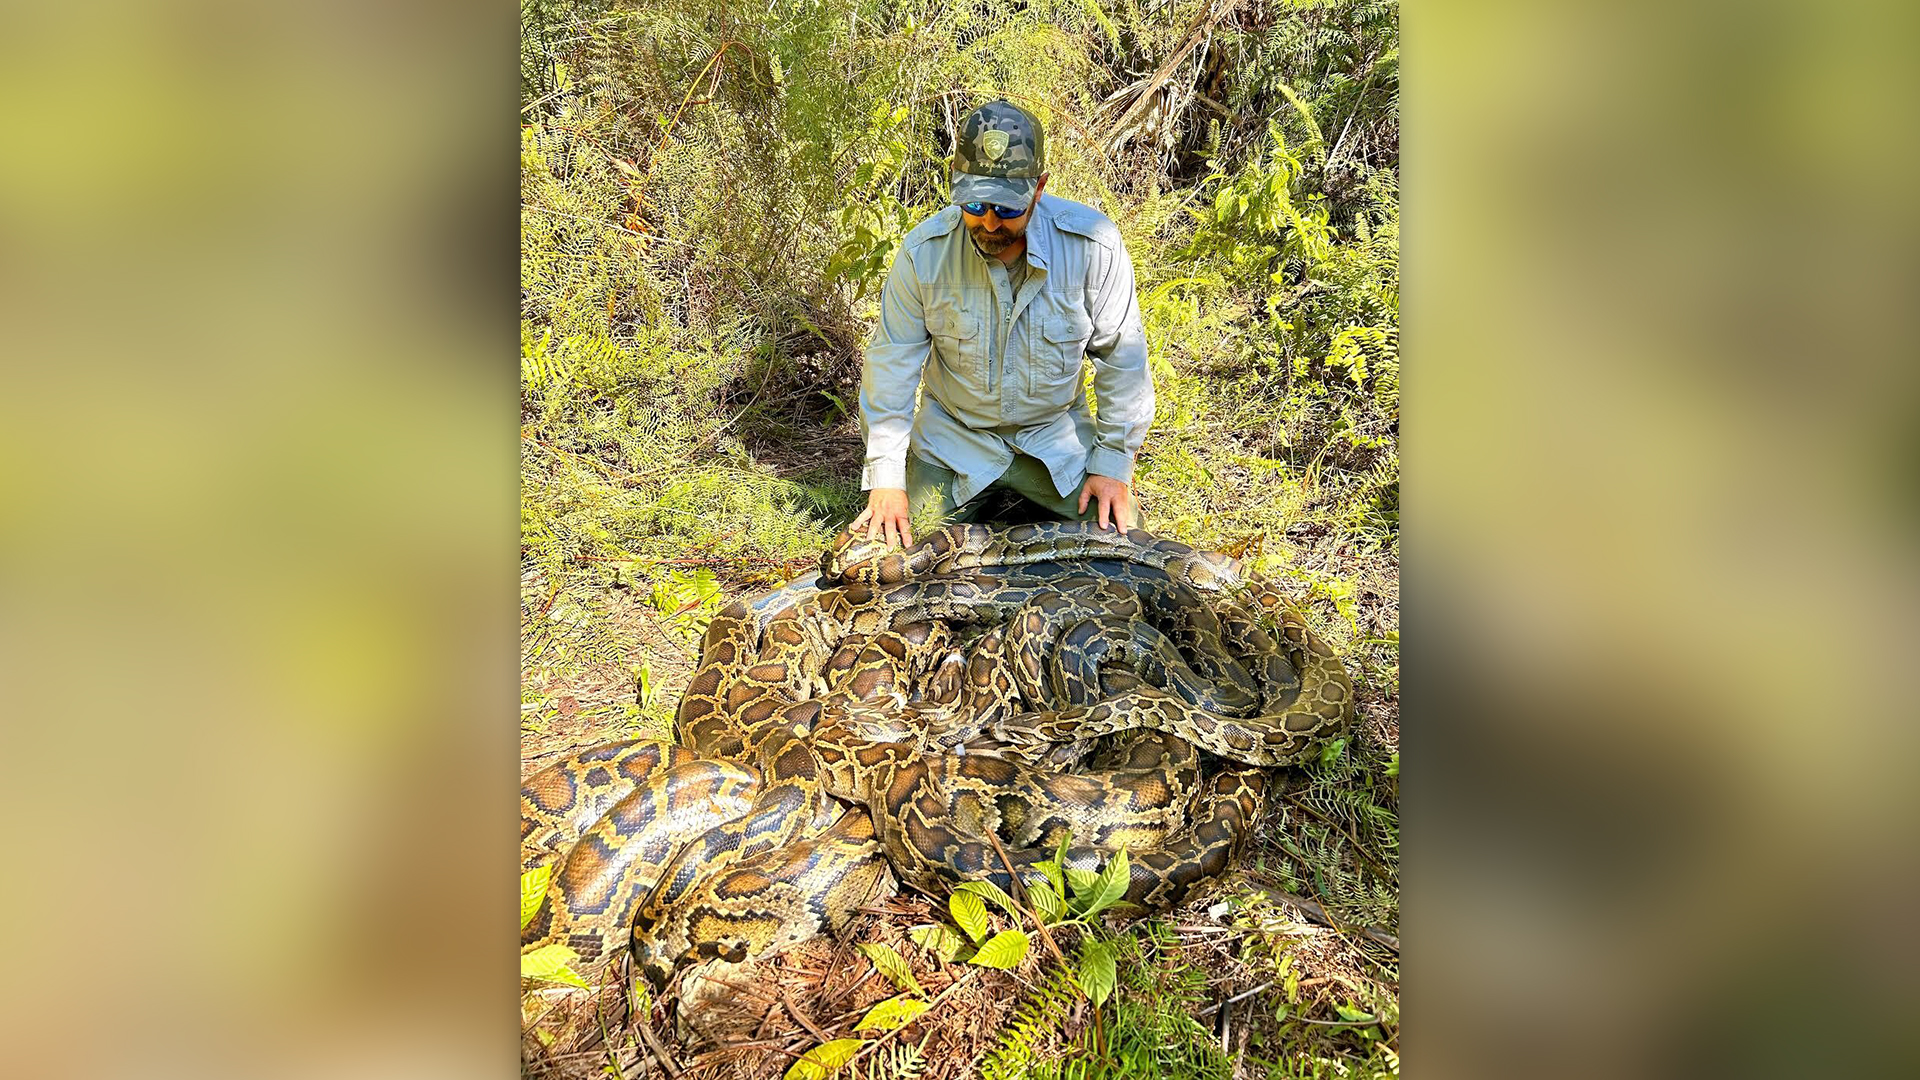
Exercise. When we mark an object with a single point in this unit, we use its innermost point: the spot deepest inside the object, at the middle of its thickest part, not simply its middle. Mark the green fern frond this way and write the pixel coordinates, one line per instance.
(896, 1061)
(1036, 1021)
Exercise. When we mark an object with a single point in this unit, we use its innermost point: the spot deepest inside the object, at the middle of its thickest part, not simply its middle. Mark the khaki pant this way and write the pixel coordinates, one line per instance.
(930, 497)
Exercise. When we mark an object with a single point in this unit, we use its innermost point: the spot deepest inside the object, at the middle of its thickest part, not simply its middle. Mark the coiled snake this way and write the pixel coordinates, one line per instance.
(899, 713)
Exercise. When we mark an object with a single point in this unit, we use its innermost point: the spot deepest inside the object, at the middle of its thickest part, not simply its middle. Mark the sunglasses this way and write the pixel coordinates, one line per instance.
(1007, 213)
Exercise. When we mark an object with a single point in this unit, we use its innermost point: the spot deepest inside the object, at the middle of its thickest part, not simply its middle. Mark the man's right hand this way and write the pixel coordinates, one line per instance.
(885, 517)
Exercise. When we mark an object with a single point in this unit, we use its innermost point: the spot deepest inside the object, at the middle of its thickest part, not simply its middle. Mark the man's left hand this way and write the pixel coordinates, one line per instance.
(1115, 497)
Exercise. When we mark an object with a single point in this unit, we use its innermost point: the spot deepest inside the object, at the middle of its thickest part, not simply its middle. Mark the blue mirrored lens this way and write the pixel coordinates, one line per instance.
(1005, 212)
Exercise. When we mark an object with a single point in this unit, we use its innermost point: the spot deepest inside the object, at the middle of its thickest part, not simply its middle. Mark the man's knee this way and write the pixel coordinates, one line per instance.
(930, 493)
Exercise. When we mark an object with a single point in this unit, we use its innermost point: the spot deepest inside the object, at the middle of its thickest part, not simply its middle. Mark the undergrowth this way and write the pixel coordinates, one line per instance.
(711, 196)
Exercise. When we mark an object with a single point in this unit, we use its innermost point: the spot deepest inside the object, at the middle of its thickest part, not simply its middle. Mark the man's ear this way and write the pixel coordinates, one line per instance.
(1040, 187)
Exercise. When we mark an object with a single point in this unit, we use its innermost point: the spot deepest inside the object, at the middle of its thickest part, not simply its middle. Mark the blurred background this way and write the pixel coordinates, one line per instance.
(258, 600)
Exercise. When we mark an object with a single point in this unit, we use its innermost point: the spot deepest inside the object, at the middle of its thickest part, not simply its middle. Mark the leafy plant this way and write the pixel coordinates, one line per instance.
(533, 892)
(552, 963)
(824, 1060)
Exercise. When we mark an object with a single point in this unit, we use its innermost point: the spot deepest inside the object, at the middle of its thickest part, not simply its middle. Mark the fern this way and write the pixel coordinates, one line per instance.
(1036, 1022)
(896, 1061)
(1344, 843)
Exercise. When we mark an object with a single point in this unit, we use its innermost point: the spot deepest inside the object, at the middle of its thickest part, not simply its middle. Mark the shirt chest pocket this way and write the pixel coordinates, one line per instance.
(1062, 345)
(956, 336)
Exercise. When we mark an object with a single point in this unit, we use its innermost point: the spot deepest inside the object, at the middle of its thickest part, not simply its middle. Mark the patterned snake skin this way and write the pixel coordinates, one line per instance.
(896, 715)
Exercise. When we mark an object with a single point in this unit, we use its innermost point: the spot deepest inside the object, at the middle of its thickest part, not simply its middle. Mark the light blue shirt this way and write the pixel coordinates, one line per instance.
(1002, 368)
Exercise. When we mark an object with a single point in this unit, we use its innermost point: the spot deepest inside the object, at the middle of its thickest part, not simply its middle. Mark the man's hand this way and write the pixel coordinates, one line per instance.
(885, 517)
(1116, 500)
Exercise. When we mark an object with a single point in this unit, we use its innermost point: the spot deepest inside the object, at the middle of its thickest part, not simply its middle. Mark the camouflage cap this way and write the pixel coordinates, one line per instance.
(999, 155)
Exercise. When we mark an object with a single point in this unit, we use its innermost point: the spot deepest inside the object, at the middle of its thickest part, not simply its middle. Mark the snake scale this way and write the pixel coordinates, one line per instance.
(910, 716)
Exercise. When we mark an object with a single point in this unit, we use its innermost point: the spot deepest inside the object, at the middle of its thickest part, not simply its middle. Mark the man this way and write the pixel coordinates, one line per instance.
(993, 305)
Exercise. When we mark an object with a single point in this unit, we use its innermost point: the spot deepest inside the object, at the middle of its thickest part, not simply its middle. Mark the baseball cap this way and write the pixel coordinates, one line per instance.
(999, 155)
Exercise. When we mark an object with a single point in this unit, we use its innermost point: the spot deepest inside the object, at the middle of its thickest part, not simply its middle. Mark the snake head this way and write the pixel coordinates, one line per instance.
(849, 554)
(853, 559)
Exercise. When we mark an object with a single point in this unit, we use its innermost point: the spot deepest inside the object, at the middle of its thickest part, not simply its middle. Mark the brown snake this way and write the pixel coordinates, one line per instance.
(902, 711)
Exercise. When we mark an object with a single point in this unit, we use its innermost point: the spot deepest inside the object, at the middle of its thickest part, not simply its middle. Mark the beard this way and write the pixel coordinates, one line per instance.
(991, 243)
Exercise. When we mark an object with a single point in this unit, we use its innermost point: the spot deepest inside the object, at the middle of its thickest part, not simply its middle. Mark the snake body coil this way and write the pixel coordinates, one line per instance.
(913, 716)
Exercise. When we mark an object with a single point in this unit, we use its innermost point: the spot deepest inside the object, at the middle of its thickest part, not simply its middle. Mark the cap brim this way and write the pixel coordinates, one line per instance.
(1004, 190)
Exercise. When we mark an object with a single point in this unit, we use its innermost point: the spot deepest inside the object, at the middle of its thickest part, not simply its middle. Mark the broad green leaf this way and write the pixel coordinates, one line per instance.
(533, 889)
(939, 939)
(894, 1012)
(970, 912)
(552, 963)
(988, 890)
(1051, 867)
(824, 1060)
(1111, 886)
(1081, 880)
(1097, 970)
(1330, 753)
(1046, 903)
(1052, 870)
(891, 964)
(1004, 950)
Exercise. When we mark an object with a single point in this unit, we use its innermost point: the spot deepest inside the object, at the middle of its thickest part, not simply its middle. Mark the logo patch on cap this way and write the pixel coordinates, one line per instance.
(993, 144)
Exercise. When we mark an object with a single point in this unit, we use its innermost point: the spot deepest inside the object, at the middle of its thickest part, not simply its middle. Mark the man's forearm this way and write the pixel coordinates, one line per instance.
(1121, 378)
(887, 435)
(1126, 413)
(890, 376)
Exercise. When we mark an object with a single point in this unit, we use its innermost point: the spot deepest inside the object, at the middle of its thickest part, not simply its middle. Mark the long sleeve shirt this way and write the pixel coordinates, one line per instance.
(1001, 355)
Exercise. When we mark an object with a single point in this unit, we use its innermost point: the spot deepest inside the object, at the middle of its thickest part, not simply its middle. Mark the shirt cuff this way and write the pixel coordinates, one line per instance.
(1112, 463)
(884, 474)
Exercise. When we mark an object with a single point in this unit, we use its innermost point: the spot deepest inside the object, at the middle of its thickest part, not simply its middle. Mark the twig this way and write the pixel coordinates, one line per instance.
(857, 983)
(1216, 1006)
(766, 1021)
(1026, 909)
(806, 1021)
(1200, 30)
(639, 191)
(1319, 914)
(658, 1051)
